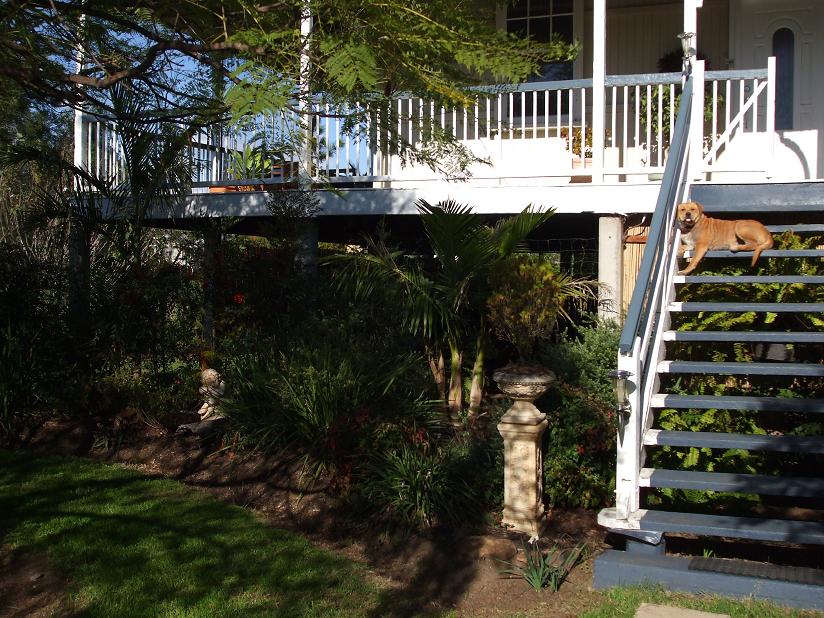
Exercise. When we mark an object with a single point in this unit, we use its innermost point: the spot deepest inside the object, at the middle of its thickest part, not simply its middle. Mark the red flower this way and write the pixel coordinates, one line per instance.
(581, 450)
(238, 298)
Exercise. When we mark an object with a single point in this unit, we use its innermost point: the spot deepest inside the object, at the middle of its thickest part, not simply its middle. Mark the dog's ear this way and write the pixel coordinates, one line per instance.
(699, 208)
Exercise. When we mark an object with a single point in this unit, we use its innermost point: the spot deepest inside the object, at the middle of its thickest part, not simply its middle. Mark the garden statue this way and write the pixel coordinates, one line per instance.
(212, 390)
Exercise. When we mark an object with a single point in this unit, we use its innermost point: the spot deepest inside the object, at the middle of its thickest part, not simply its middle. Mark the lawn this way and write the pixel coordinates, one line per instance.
(138, 546)
(131, 545)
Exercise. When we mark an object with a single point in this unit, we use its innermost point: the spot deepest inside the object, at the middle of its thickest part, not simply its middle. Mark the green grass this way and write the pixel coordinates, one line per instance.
(137, 546)
(624, 602)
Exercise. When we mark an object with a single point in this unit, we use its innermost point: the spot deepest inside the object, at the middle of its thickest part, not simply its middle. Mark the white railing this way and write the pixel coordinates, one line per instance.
(640, 347)
(539, 131)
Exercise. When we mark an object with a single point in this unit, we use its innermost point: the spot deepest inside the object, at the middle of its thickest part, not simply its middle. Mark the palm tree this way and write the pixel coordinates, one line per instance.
(440, 299)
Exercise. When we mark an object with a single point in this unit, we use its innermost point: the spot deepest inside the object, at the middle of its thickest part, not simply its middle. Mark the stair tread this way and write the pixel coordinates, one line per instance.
(783, 369)
(766, 253)
(795, 486)
(733, 402)
(786, 530)
(796, 227)
(746, 306)
(749, 442)
(715, 335)
(816, 279)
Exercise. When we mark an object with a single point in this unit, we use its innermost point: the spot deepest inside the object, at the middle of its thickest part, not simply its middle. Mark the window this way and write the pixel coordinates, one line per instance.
(784, 52)
(540, 20)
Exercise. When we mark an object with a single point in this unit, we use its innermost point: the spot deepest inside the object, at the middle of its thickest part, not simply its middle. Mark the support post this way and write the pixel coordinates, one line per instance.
(771, 115)
(306, 251)
(611, 266)
(599, 35)
(305, 96)
(211, 245)
(691, 19)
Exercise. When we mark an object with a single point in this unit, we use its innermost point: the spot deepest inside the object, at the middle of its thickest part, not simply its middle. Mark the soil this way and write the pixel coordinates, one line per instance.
(444, 570)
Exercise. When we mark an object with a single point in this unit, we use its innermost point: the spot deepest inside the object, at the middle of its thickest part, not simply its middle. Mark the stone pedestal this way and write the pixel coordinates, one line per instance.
(521, 430)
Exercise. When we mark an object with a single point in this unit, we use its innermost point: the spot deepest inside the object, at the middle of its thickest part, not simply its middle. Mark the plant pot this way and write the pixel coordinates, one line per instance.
(237, 188)
(579, 163)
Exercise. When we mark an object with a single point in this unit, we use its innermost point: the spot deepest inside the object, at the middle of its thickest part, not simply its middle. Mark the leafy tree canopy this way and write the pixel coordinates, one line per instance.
(360, 50)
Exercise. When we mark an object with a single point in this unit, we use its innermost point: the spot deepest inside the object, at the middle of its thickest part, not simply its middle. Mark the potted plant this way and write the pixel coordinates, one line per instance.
(251, 163)
(579, 143)
(529, 297)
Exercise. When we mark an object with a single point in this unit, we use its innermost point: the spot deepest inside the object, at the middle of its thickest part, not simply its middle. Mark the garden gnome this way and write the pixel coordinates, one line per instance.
(212, 390)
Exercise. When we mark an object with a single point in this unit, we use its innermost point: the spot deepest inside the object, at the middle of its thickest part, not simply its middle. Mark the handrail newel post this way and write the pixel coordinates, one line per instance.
(695, 163)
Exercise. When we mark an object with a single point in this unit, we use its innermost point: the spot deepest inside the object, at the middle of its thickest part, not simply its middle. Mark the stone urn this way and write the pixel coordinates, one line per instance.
(524, 384)
(521, 428)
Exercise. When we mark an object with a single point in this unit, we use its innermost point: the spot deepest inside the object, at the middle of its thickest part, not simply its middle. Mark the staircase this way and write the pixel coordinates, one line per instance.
(760, 369)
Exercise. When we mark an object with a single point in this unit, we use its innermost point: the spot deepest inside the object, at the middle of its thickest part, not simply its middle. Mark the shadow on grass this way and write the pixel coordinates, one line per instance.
(137, 546)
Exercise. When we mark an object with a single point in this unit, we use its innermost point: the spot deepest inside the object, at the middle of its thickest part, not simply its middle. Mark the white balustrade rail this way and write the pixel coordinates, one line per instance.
(529, 131)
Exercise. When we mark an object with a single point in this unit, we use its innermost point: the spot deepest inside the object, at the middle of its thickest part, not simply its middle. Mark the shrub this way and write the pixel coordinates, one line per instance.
(416, 486)
(579, 461)
(321, 401)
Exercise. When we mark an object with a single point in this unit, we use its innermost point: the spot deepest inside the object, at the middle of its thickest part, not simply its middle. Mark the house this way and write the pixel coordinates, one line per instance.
(749, 140)
(761, 123)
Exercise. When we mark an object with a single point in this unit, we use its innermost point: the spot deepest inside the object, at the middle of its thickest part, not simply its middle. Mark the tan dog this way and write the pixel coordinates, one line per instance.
(700, 233)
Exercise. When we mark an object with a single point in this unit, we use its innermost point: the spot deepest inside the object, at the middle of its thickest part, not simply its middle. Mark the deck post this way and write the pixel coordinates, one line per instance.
(771, 115)
(691, 19)
(610, 266)
(599, 34)
(211, 246)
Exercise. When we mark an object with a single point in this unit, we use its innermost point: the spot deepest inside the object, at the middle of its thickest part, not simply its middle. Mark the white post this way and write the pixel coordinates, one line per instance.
(610, 266)
(305, 96)
(628, 465)
(696, 137)
(599, 37)
(79, 144)
(691, 19)
(771, 114)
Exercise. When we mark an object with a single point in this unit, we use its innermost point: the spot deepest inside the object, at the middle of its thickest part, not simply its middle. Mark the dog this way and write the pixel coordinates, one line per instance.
(700, 233)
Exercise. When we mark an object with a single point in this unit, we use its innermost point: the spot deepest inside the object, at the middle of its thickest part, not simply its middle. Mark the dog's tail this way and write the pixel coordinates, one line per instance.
(767, 244)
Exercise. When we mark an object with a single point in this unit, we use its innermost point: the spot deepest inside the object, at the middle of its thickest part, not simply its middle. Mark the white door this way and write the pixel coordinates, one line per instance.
(793, 31)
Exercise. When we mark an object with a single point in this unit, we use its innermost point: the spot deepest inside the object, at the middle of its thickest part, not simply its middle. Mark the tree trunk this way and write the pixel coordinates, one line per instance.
(476, 392)
(455, 385)
(437, 365)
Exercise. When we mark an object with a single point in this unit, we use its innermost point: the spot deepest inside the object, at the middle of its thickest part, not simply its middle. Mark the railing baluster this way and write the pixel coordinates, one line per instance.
(637, 116)
(649, 125)
(476, 111)
(625, 119)
(660, 137)
(614, 113)
(546, 114)
(570, 104)
(498, 109)
(558, 113)
(583, 124)
(755, 106)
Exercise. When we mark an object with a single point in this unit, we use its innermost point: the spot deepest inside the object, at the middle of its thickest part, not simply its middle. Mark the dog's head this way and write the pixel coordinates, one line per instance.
(688, 214)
